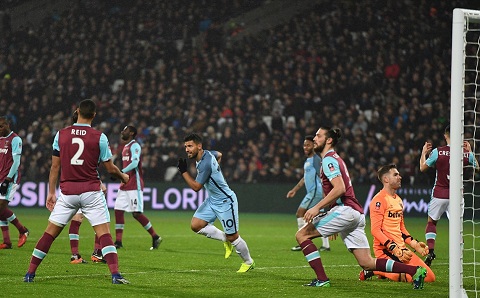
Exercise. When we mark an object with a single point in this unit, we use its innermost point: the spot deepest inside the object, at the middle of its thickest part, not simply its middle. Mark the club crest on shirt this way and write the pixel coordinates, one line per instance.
(136, 151)
(331, 167)
(377, 205)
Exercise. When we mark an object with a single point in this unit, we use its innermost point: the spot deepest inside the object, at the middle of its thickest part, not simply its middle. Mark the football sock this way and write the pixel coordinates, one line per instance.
(40, 251)
(387, 265)
(430, 235)
(312, 255)
(300, 222)
(12, 218)
(73, 236)
(5, 232)
(213, 232)
(109, 252)
(325, 242)
(146, 224)
(119, 224)
(242, 250)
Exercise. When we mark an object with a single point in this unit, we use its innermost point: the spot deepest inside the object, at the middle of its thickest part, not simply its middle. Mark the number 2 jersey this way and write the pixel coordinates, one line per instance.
(80, 148)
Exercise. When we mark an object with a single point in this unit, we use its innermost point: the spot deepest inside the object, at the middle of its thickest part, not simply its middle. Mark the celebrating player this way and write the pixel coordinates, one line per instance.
(311, 180)
(130, 195)
(439, 202)
(345, 218)
(77, 149)
(388, 228)
(221, 202)
(10, 153)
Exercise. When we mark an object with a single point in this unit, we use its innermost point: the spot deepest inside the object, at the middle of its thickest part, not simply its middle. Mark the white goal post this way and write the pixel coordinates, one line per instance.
(465, 92)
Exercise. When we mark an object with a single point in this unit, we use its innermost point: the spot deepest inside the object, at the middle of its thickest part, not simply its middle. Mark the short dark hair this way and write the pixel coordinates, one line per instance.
(87, 108)
(447, 130)
(334, 133)
(309, 138)
(195, 137)
(384, 170)
(132, 129)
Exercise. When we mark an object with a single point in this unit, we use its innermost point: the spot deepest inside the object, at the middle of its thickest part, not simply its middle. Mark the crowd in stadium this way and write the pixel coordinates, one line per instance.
(379, 70)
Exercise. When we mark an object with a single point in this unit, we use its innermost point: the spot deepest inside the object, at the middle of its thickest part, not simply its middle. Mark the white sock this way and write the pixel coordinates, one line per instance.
(242, 250)
(213, 232)
(325, 242)
(300, 222)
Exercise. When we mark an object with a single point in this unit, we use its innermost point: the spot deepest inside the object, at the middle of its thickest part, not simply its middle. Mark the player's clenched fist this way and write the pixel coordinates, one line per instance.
(4, 187)
(182, 165)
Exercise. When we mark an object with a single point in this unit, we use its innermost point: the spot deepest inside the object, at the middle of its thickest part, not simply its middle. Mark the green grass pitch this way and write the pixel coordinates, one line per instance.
(189, 265)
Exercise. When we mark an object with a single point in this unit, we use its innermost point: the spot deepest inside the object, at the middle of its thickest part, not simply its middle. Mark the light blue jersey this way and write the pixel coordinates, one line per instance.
(221, 201)
(313, 185)
(211, 177)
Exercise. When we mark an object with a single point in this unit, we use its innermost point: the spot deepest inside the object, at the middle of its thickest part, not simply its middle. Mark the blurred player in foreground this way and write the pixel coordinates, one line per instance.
(221, 202)
(388, 228)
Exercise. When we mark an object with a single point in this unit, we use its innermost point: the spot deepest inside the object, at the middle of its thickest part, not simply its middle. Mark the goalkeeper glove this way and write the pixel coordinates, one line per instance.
(421, 247)
(4, 187)
(403, 254)
(182, 165)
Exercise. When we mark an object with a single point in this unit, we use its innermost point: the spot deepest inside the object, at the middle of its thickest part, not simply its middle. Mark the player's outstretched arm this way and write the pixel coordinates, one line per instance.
(297, 187)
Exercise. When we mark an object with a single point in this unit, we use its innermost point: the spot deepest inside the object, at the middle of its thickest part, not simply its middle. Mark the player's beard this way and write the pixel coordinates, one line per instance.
(319, 148)
(194, 155)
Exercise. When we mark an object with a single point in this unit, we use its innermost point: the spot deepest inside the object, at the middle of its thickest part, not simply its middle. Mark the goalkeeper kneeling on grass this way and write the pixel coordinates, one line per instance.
(390, 236)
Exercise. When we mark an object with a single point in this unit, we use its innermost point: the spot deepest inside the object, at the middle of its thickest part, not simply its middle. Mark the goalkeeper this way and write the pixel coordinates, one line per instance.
(390, 236)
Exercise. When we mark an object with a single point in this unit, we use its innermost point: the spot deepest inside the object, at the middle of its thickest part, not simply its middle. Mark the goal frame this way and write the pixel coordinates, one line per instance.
(457, 119)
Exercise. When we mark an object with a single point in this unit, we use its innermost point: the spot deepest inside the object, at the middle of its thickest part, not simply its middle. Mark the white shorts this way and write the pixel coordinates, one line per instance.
(347, 222)
(436, 208)
(93, 205)
(129, 201)
(11, 190)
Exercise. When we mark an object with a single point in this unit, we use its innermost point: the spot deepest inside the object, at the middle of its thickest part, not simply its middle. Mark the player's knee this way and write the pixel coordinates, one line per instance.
(301, 236)
(232, 237)
(195, 228)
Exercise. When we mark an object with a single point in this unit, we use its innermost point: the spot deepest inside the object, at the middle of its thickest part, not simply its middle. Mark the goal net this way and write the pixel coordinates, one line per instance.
(464, 225)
